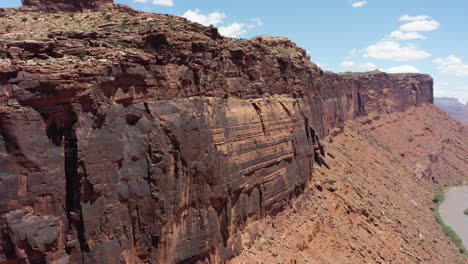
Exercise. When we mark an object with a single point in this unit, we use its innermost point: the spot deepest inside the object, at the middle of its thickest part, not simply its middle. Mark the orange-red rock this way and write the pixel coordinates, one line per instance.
(160, 141)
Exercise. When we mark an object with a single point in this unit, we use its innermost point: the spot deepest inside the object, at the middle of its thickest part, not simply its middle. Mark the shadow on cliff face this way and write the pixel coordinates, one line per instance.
(165, 141)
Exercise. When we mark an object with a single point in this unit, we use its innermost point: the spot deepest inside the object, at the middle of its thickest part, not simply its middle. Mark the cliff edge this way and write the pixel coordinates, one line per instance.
(65, 5)
(132, 137)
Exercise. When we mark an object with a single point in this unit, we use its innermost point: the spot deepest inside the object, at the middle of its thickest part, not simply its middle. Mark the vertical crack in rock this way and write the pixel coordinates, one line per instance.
(259, 111)
(148, 110)
(286, 109)
(8, 247)
(319, 151)
(73, 188)
(361, 111)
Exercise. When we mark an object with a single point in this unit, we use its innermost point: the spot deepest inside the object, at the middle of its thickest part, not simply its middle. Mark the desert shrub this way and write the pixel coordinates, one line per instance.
(82, 54)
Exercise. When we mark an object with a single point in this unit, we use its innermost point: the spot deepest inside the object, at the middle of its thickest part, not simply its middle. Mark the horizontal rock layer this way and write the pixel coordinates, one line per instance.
(165, 155)
(68, 5)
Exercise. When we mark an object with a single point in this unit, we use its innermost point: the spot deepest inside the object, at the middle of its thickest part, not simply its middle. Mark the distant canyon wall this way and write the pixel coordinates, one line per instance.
(454, 107)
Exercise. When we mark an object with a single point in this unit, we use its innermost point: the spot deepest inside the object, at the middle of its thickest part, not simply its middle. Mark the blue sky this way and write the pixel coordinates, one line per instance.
(427, 36)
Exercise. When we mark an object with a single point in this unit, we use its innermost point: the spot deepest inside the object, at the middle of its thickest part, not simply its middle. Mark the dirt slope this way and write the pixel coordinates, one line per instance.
(373, 205)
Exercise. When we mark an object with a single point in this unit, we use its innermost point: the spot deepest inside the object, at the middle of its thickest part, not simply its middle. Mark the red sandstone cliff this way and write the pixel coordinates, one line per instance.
(62, 5)
(144, 138)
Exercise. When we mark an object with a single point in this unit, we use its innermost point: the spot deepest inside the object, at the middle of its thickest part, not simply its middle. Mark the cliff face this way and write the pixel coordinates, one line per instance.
(157, 140)
(70, 5)
(373, 204)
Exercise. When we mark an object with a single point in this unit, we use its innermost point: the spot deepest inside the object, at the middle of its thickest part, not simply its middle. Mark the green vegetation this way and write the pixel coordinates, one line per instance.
(449, 232)
(173, 23)
(82, 54)
(285, 50)
(466, 211)
(8, 27)
(108, 17)
(24, 19)
(124, 26)
(3, 55)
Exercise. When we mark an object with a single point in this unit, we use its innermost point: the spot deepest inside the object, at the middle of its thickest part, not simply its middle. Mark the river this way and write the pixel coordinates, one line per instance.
(451, 211)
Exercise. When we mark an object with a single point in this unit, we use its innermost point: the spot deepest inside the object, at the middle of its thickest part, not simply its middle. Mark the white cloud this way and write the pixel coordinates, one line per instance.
(400, 35)
(358, 66)
(402, 69)
(321, 65)
(413, 18)
(421, 25)
(234, 30)
(392, 50)
(257, 21)
(354, 53)
(452, 64)
(460, 92)
(214, 18)
(359, 4)
(157, 2)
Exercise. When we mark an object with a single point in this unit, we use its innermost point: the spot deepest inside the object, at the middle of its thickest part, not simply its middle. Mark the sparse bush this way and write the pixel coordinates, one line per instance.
(283, 50)
(82, 54)
(466, 211)
(108, 17)
(3, 55)
(124, 26)
(439, 198)
(71, 15)
(8, 27)
(24, 19)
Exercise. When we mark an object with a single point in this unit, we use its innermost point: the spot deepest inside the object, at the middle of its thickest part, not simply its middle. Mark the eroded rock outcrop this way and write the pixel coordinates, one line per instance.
(155, 140)
(65, 5)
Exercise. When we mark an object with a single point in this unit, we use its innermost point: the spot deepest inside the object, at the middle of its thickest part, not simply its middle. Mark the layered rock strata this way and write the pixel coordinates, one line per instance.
(161, 142)
(61, 5)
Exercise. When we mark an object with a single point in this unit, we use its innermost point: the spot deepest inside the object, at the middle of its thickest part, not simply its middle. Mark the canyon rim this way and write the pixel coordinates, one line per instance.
(134, 137)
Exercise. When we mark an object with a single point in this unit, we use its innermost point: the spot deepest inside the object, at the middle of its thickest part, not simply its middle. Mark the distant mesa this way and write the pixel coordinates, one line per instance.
(65, 5)
(454, 107)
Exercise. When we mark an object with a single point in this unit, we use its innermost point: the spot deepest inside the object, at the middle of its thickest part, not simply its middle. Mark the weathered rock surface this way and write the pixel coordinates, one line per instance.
(159, 141)
(379, 211)
(68, 5)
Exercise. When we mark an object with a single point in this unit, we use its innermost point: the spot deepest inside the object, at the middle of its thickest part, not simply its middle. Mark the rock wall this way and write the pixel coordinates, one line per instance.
(64, 5)
(165, 155)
